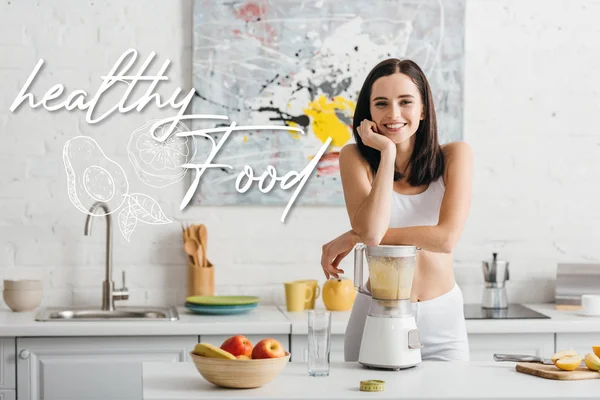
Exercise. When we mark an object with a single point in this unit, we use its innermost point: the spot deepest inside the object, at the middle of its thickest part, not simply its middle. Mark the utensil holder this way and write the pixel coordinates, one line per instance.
(201, 280)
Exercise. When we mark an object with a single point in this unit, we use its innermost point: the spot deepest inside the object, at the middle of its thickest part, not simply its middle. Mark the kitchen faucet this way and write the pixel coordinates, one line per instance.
(109, 293)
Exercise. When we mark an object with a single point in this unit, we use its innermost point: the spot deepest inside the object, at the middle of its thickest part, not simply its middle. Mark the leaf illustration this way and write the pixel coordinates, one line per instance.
(127, 221)
(147, 210)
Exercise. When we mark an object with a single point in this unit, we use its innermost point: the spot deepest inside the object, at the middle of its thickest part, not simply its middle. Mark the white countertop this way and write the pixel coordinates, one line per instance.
(264, 319)
(429, 380)
(559, 322)
(270, 319)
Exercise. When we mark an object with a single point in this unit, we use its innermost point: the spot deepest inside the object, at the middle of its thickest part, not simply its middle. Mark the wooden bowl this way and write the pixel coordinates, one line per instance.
(239, 374)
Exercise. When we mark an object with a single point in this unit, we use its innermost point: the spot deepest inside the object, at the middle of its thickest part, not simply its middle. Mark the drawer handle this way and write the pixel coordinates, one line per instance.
(24, 354)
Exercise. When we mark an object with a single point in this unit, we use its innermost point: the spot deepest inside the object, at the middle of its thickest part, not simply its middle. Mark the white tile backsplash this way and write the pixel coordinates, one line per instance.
(531, 117)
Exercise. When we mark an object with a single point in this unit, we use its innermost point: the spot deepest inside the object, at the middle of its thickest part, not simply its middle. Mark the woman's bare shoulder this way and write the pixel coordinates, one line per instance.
(351, 159)
(456, 150)
(349, 151)
(457, 154)
(351, 155)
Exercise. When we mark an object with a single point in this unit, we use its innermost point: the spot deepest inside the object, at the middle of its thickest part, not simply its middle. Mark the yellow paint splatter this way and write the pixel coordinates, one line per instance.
(325, 122)
(295, 134)
(245, 138)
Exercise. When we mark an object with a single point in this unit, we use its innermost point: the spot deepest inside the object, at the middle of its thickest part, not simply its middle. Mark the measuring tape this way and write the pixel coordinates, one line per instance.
(373, 385)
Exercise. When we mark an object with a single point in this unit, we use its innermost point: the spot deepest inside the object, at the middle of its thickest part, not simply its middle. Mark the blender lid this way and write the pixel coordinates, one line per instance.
(392, 251)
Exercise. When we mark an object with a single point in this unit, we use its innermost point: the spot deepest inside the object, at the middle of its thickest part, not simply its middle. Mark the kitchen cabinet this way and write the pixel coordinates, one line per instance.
(8, 395)
(581, 342)
(92, 367)
(300, 348)
(7, 365)
(218, 340)
(483, 346)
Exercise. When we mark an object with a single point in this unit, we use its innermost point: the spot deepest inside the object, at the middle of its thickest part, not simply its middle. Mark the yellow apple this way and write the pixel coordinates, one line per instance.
(568, 363)
(562, 354)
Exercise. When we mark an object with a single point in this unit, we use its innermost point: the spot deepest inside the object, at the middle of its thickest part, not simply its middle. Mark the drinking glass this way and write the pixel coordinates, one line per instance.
(319, 342)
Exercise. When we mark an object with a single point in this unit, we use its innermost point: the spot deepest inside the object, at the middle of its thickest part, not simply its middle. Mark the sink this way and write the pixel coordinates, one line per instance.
(118, 314)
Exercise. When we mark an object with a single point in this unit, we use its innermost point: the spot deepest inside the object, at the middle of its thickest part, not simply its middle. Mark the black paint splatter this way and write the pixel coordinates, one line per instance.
(301, 120)
(215, 103)
(264, 86)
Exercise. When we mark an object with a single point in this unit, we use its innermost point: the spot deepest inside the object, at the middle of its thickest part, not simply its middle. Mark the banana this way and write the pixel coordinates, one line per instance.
(209, 350)
(592, 362)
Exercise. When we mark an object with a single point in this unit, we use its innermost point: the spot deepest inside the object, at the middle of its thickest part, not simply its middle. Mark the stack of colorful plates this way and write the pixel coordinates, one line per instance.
(221, 305)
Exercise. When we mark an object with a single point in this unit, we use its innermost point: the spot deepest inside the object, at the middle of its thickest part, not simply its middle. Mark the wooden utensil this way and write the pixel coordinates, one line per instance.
(191, 248)
(203, 239)
(552, 372)
(203, 234)
(200, 256)
(193, 232)
(186, 236)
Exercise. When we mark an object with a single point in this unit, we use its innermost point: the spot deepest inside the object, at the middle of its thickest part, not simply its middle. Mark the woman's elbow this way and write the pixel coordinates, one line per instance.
(445, 248)
(448, 243)
(370, 237)
(372, 240)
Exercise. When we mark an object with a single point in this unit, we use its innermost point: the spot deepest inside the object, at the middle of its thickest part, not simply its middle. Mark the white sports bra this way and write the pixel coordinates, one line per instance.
(421, 209)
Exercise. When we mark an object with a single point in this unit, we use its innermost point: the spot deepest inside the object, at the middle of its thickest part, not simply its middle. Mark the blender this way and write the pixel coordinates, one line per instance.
(390, 338)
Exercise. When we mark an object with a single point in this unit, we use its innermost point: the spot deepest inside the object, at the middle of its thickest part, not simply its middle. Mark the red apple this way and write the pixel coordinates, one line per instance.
(238, 345)
(268, 348)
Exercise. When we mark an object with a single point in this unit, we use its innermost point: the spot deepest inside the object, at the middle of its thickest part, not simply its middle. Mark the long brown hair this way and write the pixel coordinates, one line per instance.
(426, 163)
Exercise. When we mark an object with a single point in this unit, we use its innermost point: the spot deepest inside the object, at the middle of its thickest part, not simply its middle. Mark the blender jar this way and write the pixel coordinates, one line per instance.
(391, 278)
(391, 271)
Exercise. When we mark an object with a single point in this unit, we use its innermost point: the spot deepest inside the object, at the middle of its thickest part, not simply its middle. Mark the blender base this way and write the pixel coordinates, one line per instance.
(385, 343)
(386, 367)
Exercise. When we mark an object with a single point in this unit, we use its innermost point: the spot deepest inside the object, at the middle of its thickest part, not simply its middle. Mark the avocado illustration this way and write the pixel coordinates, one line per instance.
(92, 176)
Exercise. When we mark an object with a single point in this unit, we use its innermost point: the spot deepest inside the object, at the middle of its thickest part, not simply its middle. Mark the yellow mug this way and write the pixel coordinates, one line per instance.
(296, 295)
(315, 289)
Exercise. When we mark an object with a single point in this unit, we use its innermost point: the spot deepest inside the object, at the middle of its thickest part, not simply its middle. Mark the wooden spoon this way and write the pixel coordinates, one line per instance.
(193, 232)
(203, 236)
(200, 255)
(186, 236)
(196, 236)
(191, 247)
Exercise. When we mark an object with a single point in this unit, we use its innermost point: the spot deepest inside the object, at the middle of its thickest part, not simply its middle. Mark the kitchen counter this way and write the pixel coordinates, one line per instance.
(264, 319)
(429, 380)
(559, 322)
(270, 319)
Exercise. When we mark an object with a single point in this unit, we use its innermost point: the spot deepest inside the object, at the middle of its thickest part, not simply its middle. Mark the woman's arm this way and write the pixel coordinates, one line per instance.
(368, 205)
(442, 238)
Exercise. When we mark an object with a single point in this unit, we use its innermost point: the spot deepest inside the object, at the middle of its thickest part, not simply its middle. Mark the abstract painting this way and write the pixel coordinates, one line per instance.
(298, 63)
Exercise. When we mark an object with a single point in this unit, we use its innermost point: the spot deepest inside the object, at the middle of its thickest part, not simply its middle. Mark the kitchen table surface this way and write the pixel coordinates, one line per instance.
(428, 380)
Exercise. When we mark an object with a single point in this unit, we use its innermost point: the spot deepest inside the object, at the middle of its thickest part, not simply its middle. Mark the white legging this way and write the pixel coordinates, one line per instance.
(441, 324)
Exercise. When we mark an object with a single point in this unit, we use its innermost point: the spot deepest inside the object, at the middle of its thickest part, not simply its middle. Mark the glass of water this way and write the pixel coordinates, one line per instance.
(319, 342)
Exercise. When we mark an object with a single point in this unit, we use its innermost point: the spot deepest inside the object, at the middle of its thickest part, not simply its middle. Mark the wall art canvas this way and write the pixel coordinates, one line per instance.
(296, 63)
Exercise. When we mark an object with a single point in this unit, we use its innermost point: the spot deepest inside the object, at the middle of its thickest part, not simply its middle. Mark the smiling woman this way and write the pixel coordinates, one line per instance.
(401, 187)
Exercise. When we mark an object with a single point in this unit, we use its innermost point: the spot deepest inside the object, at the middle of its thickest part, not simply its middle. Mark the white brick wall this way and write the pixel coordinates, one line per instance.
(531, 116)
